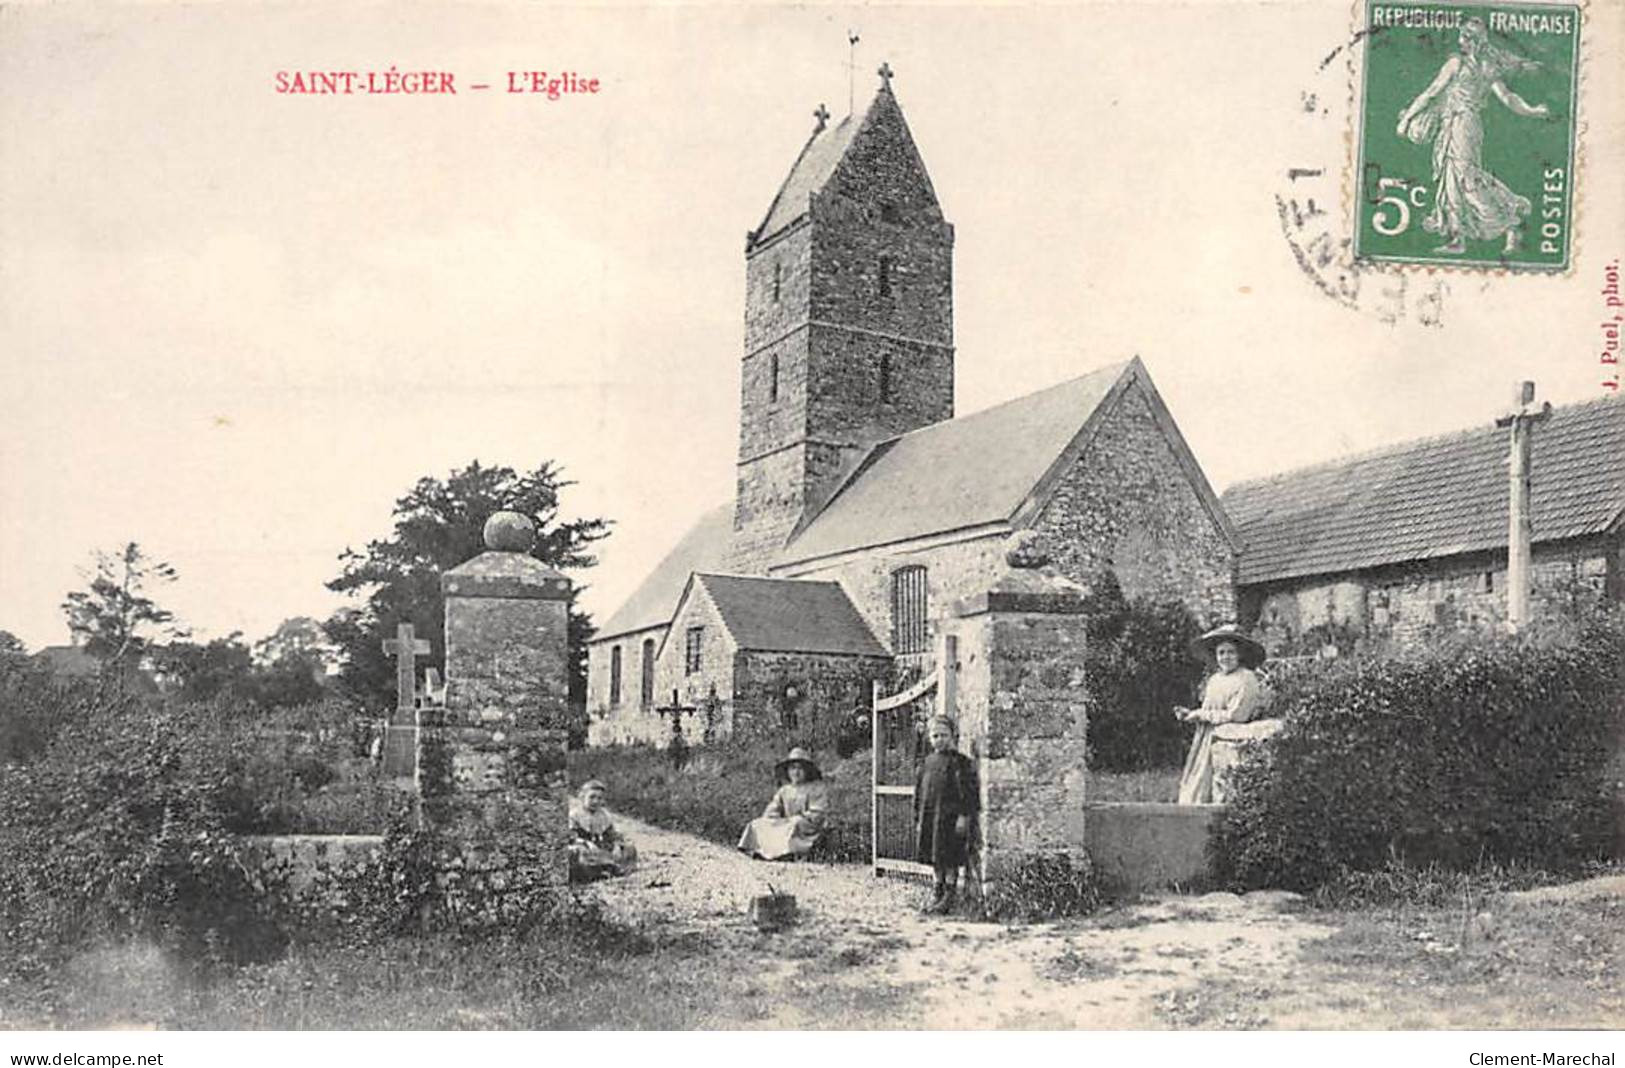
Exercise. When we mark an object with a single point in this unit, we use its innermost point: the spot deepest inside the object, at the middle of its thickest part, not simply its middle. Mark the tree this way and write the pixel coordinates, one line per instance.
(438, 525)
(115, 618)
(291, 665)
(11, 645)
(222, 667)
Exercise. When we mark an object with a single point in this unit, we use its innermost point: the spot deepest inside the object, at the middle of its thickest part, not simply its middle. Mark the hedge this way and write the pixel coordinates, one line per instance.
(1482, 749)
(722, 787)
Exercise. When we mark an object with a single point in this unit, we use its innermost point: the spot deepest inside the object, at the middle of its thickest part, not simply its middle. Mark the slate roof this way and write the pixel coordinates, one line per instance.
(69, 662)
(704, 548)
(790, 615)
(812, 170)
(979, 468)
(1430, 498)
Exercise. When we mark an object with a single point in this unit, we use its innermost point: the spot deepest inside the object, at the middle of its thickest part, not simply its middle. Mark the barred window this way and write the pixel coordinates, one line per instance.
(691, 650)
(615, 675)
(908, 610)
(646, 693)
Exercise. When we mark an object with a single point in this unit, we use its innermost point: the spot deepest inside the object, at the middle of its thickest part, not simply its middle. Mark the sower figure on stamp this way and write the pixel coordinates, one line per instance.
(1469, 201)
(946, 797)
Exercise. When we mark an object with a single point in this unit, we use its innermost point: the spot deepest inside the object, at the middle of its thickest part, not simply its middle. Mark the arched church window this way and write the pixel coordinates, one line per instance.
(615, 675)
(908, 609)
(778, 272)
(885, 377)
(773, 378)
(646, 693)
(885, 276)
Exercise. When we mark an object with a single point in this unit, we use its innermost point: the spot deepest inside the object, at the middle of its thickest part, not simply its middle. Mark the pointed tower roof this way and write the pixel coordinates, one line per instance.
(821, 158)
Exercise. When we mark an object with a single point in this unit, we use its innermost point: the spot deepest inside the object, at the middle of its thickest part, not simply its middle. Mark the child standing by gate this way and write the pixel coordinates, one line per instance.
(946, 796)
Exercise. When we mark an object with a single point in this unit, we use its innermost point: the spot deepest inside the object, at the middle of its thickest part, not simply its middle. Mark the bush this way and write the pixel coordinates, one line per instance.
(1139, 667)
(1043, 888)
(119, 829)
(304, 770)
(724, 786)
(1483, 749)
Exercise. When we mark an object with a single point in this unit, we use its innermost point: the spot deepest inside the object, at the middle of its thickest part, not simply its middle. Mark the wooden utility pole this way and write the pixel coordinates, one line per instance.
(1522, 420)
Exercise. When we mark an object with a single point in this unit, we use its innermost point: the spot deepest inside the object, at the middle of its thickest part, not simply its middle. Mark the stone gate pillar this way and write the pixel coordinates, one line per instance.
(492, 763)
(1022, 710)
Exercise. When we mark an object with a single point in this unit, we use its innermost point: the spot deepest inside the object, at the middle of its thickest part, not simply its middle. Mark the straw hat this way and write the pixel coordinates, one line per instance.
(798, 755)
(1252, 653)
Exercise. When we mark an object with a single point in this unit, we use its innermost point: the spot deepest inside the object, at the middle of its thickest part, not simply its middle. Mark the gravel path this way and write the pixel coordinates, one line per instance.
(1131, 968)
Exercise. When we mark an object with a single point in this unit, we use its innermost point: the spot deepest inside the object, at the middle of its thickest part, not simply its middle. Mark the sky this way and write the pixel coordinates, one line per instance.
(236, 325)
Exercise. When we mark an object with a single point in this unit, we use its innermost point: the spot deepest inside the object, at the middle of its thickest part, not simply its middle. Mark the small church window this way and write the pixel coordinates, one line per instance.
(773, 378)
(885, 276)
(646, 693)
(1489, 582)
(778, 271)
(691, 650)
(615, 675)
(890, 214)
(885, 377)
(908, 609)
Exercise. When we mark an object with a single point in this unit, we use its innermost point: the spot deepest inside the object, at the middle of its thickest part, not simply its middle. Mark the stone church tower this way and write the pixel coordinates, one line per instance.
(849, 326)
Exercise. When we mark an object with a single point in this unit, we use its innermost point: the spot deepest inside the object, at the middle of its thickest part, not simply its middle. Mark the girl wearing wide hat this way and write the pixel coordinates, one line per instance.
(1233, 694)
(793, 821)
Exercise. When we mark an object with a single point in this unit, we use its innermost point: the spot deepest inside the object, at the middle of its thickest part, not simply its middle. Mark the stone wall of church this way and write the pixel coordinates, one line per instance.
(802, 698)
(1416, 601)
(768, 502)
(772, 313)
(1128, 504)
(845, 403)
(711, 687)
(630, 719)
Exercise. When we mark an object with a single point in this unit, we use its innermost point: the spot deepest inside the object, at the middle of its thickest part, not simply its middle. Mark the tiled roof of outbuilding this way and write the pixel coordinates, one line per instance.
(790, 616)
(1435, 497)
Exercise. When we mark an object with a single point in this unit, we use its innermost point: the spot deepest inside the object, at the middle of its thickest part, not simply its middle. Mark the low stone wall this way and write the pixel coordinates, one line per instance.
(1147, 845)
(308, 852)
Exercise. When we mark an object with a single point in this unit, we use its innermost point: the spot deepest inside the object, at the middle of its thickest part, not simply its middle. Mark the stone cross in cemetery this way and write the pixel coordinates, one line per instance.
(401, 734)
(1522, 420)
(492, 758)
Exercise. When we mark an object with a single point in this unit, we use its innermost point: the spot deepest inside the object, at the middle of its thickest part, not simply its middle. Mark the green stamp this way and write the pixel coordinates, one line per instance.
(1466, 140)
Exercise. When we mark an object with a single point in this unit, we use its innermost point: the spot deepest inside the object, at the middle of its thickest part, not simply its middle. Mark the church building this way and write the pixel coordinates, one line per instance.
(864, 509)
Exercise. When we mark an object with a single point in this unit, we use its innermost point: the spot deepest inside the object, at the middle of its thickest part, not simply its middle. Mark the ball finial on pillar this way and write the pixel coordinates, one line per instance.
(510, 532)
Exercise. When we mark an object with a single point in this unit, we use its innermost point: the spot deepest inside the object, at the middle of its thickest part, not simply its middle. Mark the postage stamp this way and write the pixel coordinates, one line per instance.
(1466, 139)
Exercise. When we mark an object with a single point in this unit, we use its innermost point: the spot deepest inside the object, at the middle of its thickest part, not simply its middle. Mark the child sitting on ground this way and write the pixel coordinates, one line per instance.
(597, 849)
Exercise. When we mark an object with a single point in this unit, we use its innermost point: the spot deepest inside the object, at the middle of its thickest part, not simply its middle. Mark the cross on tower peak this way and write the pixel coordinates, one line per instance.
(822, 115)
(885, 73)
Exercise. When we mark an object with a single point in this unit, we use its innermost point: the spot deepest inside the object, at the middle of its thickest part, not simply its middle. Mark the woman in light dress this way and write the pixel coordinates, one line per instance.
(1233, 694)
(793, 821)
(1469, 201)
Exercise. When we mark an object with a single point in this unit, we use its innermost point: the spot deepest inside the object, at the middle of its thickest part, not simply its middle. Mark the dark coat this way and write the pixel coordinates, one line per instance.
(944, 789)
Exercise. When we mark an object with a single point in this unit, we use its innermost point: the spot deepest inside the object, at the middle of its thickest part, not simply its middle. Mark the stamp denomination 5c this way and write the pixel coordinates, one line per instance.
(1466, 142)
